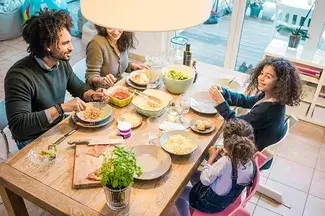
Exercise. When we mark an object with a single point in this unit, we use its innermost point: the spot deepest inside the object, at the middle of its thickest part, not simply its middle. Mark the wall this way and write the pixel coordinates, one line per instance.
(151, 43)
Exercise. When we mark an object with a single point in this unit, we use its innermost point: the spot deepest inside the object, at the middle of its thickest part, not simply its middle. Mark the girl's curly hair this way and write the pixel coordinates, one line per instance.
(288, 86)
(239, 141)
(43, 30)
(125, 42)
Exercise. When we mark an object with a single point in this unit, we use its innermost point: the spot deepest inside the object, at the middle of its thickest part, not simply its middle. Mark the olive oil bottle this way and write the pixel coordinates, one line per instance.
(187, 56)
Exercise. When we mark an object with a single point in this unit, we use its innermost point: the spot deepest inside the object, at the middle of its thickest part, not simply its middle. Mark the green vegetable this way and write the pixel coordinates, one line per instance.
(50, 152)
(118, 169)
(176, 75)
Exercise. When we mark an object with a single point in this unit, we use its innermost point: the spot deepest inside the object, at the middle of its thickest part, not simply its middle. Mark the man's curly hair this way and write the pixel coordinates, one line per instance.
(288, 86)
(42, 30)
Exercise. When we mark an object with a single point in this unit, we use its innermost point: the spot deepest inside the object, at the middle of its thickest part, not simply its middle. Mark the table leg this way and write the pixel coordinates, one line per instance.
(14, 203)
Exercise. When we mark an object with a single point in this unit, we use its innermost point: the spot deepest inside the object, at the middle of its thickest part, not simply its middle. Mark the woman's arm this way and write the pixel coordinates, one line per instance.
(94, 62)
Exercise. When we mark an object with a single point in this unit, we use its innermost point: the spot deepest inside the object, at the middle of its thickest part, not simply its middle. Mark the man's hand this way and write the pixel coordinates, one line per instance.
(75, 104)
(100, 95)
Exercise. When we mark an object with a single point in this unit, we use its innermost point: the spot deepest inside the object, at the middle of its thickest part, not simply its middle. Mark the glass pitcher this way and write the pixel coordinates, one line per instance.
(176, 49)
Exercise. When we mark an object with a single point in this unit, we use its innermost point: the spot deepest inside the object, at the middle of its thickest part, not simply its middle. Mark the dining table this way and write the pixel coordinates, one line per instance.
(50, 186)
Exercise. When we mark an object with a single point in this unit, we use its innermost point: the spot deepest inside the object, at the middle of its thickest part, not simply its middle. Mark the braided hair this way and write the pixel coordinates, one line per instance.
(239, 141)
(43, 30)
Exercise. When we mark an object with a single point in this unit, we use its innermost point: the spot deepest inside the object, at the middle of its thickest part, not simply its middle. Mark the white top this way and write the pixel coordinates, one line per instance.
(219, 175)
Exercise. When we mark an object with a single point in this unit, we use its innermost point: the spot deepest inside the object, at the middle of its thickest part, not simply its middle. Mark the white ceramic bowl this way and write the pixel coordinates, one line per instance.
(178, 86)
(188, 135)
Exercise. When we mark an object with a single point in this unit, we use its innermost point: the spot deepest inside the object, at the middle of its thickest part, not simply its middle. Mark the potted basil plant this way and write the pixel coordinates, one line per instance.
(117, 173)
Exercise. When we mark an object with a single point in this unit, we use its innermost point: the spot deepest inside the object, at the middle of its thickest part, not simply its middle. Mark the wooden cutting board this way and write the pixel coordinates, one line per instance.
(85, 164)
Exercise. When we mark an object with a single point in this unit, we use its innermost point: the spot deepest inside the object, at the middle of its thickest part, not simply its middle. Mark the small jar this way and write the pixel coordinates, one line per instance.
(172, 114)
(124, 129)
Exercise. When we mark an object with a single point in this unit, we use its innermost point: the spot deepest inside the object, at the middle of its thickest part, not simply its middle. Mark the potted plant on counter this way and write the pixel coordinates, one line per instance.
(295, 33)
(117, 173)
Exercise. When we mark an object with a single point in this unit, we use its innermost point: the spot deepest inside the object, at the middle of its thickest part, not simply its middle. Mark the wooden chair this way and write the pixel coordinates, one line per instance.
(238, 207)
(3, 125)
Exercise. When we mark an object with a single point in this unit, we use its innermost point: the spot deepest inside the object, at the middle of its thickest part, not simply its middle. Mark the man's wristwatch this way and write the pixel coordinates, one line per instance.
(58, 107)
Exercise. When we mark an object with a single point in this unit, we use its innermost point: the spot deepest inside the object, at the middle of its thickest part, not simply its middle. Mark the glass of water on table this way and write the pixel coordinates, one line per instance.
(183, 107)
(153, 130)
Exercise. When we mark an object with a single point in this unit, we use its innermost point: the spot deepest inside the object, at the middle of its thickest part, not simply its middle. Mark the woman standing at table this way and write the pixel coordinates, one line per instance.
(279, 84)
(107, 57)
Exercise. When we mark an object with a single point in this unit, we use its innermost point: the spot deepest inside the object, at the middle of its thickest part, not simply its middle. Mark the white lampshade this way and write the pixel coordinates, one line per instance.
(146, 15)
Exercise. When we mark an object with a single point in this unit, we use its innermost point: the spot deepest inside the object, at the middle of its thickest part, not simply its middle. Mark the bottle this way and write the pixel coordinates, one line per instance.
(195, 70)
(187, 56)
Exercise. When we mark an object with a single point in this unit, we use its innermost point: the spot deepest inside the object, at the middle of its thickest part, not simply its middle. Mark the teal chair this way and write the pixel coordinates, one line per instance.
(3, 125)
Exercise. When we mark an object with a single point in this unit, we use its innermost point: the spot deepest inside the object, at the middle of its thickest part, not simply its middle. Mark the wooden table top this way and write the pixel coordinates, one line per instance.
(50, 187)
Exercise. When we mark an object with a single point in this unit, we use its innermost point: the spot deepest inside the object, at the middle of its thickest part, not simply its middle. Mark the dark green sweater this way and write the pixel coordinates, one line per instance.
(30, 89)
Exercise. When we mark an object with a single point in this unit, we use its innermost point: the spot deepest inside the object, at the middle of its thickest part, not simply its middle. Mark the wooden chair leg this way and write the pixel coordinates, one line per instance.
(14, 204)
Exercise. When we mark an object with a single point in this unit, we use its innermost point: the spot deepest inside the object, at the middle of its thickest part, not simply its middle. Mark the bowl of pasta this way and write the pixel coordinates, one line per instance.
(95, 112)
(179, 142)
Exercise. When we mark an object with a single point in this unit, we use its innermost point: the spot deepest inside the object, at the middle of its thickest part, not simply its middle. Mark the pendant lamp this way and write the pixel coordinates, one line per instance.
(146, 15)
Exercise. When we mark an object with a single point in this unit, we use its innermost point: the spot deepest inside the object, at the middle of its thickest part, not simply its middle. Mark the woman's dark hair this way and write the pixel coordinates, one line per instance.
(125, 42)
(239, 141)
(288, 86)
(43, 30)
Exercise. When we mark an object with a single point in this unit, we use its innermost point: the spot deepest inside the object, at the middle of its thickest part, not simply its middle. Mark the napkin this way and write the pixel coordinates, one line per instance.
(169, 126)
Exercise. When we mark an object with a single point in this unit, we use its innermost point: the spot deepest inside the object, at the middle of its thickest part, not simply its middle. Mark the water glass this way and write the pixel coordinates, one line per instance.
(184, 103)
(153, 129)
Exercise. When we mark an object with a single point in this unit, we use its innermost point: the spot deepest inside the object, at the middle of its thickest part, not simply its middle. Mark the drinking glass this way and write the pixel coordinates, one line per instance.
(153, 129)
(183, 107)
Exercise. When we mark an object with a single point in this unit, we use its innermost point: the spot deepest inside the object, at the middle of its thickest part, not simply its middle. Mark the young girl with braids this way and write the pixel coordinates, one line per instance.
(222, 181)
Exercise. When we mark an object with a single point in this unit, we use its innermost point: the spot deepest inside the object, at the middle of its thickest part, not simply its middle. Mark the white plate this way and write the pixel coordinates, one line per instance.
(153, 161)
(224, 82)
(206, 131)
(92, 124)
(135, 86)
(106, 111)
(202, 102)
(189, 135)
(139, 72)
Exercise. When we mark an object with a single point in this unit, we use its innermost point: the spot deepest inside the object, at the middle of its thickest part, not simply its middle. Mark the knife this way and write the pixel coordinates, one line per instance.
(230, 82)
(91, 142)
(61, 139)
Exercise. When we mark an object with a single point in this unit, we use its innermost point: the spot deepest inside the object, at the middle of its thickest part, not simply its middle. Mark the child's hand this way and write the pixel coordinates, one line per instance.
(213, 152)
(216, 94)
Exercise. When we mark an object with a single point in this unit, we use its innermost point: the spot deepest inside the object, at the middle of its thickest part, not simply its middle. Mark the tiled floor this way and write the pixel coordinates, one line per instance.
(298, 170)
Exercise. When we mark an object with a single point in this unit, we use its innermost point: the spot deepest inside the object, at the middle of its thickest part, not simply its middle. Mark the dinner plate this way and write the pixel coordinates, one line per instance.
(229, 84)
(203, 103)
(164, 138)
(134, 119)
(153, 161)
(80, 123)
(135, 86)
(106, 111)
(193, 127)
(133, 75)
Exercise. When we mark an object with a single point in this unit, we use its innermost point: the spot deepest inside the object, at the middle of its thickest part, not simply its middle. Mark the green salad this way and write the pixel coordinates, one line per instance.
(173, 74)
(50, 152)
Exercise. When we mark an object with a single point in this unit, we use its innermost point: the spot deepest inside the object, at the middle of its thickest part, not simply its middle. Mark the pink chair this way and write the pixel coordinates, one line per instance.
(237, 208)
